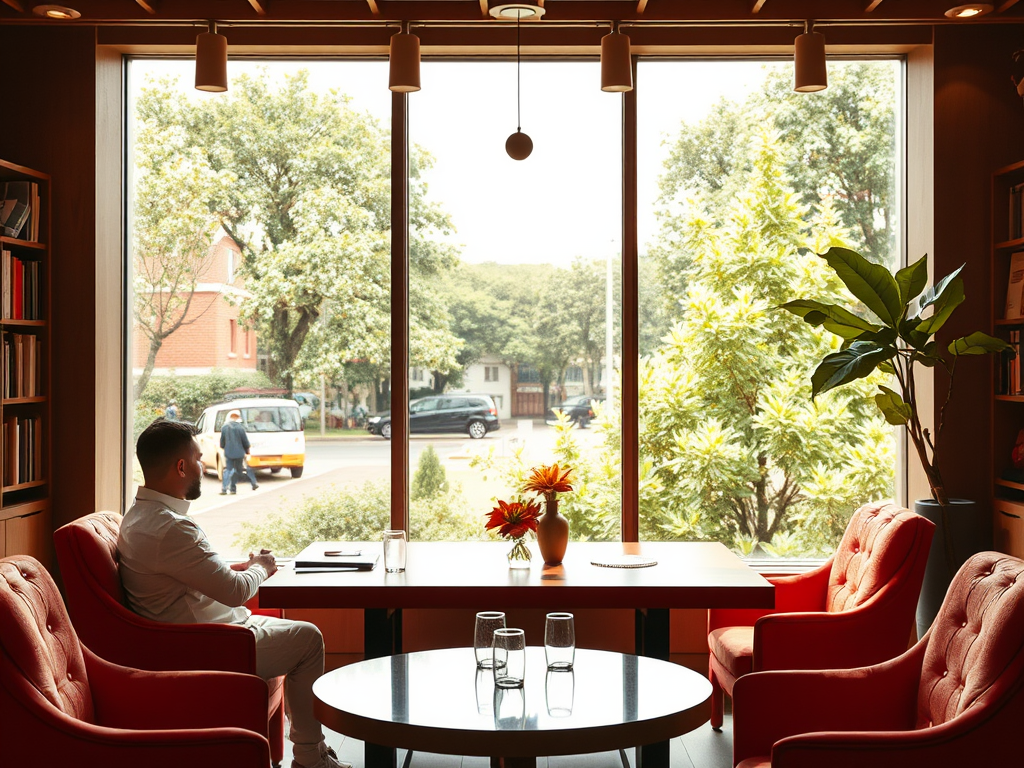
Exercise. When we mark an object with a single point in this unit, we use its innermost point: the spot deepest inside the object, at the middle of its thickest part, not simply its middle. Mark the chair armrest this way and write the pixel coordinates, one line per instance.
(799, 592)
(769, 706)
(139, 699)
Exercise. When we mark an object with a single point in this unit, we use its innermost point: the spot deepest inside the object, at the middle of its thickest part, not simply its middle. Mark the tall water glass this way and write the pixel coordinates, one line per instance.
(509, 658)
(394, 551)
(559, 640)
(483, 636)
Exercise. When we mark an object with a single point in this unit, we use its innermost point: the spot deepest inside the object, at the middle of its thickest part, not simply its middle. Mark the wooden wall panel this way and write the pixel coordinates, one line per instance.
(31, 535)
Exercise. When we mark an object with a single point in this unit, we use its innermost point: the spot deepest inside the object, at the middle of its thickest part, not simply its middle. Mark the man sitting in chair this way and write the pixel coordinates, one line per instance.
(170, 573)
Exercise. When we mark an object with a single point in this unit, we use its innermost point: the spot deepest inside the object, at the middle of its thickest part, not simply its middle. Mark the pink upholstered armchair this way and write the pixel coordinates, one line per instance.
(87, 554)
(954, 699)
(856, 609)
(62, 704)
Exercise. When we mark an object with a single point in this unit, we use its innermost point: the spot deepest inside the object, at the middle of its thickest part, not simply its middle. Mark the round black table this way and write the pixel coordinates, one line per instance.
(438, 701)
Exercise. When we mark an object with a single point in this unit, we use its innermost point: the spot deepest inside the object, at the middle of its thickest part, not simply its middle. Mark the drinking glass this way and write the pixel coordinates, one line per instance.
(559, 687)
(483, 636)
(509, 709)
(484, 686)
(559, 640)
(509, 658)
(394, 551)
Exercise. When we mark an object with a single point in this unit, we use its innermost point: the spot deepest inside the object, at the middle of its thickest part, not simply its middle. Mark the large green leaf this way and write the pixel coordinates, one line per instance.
(891, 404)
(871, 283)
(833, 318)
(912, 279)
(932, 295)
(855, 362)
(951, 298)
(977, 343)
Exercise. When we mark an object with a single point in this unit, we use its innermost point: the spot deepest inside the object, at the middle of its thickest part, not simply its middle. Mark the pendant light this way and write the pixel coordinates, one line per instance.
(616, 66)
(404, 58)
(211, 61)
(518, 145)
(810, 72)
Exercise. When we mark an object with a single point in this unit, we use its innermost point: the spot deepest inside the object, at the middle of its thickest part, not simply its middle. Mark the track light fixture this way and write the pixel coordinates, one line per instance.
(616, 65)
(809, 69)
(404, 59)
(211, 61)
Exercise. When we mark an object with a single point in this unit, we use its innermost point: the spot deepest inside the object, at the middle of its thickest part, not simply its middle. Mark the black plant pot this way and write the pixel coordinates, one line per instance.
(967, 532)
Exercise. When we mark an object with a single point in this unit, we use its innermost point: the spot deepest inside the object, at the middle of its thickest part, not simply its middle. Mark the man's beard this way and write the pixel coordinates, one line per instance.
(195, 490)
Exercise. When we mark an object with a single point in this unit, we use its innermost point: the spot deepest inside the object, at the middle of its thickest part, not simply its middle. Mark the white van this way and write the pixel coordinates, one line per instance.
(274, 426)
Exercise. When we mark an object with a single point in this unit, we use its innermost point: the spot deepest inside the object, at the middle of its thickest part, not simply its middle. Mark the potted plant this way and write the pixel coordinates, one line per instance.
(908, 317)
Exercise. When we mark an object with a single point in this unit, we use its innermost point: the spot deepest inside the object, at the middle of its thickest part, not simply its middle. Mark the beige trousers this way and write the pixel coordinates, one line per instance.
(294, 649)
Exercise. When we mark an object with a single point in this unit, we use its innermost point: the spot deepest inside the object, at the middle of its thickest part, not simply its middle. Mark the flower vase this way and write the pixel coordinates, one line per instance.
(552, 533)
(519, 556)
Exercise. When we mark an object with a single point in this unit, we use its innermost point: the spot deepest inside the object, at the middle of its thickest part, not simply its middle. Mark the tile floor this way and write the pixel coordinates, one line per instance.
(702, 748)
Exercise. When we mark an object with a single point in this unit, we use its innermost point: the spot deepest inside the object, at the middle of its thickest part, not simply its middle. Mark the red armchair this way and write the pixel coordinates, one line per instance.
(856, 609)
(954, 699)
(87, 554)
(63, 704)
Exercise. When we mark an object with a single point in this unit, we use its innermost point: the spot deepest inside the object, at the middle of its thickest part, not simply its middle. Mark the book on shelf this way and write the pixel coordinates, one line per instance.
(23, 450)
(1016, 212)
(21, 365)
(1011, 367)
(21, 280)
(1015, 287)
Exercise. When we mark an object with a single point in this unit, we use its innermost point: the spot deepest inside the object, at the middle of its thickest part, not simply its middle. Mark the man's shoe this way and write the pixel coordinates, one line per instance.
(223, 493)
(256, 486)
(327, 760)
(233, 491)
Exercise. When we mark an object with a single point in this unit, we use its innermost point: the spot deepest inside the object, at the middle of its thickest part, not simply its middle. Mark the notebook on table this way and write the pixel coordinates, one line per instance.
(336, 556)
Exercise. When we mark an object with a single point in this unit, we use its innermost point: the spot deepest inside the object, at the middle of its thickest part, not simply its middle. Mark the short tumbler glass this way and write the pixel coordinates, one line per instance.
(559, 641)
(483, 636)
(509, 658)
(394, 551)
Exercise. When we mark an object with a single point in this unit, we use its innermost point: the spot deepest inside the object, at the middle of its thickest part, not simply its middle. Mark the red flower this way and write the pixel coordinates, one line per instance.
(514, 517)
(549, 480)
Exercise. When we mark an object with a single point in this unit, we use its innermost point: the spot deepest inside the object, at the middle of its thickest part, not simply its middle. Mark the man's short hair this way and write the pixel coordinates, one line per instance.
(162, 443)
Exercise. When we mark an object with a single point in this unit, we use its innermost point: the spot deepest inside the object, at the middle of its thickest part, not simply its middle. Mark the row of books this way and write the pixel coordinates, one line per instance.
(21, 281)
(23, 450)
(19, 210)
(1009, 370)
(21, 365)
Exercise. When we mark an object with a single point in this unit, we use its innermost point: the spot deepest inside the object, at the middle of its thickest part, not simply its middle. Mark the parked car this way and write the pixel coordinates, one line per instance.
(275, 429)
(308, 402)
(579, 409)
(476, 415)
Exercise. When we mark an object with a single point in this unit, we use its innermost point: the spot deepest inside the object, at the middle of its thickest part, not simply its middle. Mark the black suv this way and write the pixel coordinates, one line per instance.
(475, 415)
(580, 409)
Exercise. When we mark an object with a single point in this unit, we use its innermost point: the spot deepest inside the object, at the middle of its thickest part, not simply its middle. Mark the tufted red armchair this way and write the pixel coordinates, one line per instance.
(856, 609)
(87, 554)
(954, 699)
(61, 703)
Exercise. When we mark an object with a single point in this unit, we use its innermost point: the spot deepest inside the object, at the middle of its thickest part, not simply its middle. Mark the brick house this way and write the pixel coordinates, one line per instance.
(212, 335)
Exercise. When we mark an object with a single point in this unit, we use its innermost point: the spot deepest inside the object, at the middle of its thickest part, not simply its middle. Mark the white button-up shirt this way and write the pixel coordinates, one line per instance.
(170, 573)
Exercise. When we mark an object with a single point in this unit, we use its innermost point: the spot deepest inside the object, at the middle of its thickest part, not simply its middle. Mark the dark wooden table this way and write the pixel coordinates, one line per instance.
(437, 701)
(476, 574)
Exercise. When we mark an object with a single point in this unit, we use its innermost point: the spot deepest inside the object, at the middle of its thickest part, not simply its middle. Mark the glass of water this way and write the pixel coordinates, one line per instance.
(509, 658)
(559, 640)
(483, 636)
(394, 551)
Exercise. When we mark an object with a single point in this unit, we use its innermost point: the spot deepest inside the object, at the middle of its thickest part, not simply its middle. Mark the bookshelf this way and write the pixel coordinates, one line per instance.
(1007, 410)
(25, 513)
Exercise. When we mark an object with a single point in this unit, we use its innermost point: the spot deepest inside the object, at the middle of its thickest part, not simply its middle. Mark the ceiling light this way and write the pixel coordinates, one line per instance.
(810, 73)
(404, 58)
(969, 11)
(56, 12)
(211, 61)
(518, 145)
(517, 11)
(616, 65)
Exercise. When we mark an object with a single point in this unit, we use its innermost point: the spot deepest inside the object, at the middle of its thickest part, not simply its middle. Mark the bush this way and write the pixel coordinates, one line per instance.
(195, 393)
(430, 479)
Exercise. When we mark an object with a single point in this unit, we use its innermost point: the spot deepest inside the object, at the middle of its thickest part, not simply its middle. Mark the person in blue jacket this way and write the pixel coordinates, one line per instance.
(235, 442)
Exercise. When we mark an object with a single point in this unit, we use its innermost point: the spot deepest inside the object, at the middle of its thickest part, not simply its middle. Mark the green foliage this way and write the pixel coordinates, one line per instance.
(430, 479)
(195, 393)
(901, 340)
(358, 514)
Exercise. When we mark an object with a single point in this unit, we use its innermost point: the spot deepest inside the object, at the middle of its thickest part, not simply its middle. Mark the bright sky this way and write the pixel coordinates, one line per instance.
(562, 201)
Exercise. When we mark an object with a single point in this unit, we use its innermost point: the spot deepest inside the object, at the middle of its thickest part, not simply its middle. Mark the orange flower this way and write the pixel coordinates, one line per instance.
(514, 517)
(549, 480)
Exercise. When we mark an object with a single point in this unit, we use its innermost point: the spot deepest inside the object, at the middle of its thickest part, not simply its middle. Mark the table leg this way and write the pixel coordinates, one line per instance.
(653, 755)
(382, 632)
(377, 756)
(652, 633)
(513, 762)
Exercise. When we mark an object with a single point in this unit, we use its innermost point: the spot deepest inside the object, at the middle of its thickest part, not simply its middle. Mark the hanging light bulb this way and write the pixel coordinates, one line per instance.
(404, 75)
(810, 72)
(211, 61)
(616, 66)
(518, 145)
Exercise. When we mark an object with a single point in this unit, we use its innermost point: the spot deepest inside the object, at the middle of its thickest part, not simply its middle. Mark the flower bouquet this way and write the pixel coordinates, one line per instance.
(514, 519)
(552, 528)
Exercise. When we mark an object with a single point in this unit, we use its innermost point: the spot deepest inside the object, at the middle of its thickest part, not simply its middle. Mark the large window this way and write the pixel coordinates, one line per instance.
(267, 210)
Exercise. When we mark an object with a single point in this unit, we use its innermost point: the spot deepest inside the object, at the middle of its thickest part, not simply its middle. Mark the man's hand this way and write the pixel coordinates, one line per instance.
(264, 558)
